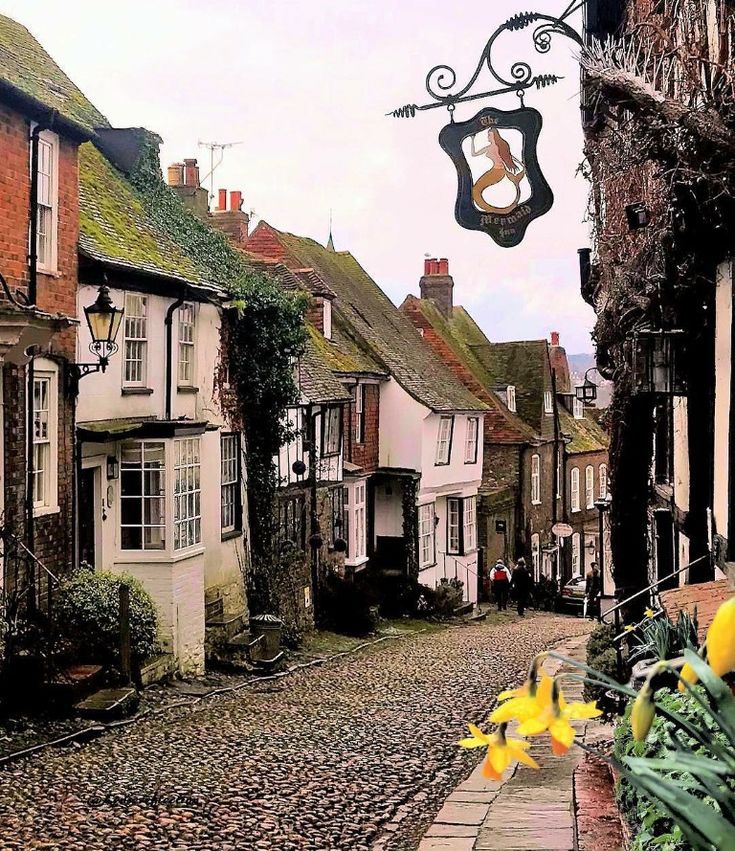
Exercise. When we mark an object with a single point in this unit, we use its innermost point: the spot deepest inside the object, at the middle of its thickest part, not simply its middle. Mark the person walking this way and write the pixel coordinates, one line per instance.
(500, 578)
(521, 584)
(592, 588)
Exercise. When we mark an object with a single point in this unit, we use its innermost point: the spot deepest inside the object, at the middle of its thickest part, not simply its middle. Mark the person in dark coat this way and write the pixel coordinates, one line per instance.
(521, 584)
(592, 588)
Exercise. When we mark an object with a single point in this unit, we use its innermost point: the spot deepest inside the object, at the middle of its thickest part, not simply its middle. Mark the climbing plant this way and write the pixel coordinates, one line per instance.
(263, 332)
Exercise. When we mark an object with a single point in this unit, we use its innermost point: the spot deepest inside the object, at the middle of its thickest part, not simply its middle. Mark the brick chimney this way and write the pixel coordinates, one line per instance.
(231, 219)
(554, 338)
(184, 179)
(437, 285)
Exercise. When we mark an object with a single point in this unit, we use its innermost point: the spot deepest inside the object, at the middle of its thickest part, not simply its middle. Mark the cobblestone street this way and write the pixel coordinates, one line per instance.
(323, 759)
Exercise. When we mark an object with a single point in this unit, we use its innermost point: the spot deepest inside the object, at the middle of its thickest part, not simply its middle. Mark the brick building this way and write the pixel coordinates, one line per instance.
(656, 117)
(44, 119)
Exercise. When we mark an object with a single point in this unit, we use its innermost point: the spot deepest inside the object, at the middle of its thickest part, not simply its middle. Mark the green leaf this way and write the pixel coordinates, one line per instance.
(719, 691)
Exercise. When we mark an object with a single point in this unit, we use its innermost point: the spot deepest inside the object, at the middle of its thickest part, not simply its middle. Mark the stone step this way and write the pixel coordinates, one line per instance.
(109, 703)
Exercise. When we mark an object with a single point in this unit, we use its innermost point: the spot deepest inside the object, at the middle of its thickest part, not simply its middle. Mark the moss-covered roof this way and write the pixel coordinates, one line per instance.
(586, 435)
(115, 226)
(317, 382)
(372, 318)
(29, 70)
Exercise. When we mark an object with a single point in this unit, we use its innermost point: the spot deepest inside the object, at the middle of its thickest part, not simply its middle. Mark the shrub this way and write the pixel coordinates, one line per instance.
(87, 611)
(447, 596)
(652, 826)
(601, 656)
(347, 606)
(401, 595)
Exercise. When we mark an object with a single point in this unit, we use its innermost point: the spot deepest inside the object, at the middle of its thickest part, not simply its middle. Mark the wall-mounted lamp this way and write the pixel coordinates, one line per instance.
(104, 320)
(637, 215)
(586, 392)
(113, 467)
(657, 362)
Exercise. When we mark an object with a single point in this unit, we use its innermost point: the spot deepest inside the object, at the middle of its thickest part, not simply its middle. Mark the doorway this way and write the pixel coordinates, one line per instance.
(665, 553)
(87, 512)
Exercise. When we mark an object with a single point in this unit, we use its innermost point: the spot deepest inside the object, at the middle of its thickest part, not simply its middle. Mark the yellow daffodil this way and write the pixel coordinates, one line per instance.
(629, 627)
(528, 703)
(502, 751)
(643, 713)
(555, 716)
(529, 687)
(687, 674)
(649, 613)
(721, 639)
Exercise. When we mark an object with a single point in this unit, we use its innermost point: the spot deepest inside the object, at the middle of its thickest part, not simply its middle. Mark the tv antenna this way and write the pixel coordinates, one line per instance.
(219, 147)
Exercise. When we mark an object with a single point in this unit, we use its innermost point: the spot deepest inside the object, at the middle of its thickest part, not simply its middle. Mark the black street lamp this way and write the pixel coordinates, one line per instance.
(104, 320)
(602, 505)
(586, 392)
(657, 361)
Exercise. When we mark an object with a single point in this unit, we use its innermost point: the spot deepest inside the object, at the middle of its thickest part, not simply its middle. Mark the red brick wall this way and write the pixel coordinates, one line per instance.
(366, 454)
(56, 294)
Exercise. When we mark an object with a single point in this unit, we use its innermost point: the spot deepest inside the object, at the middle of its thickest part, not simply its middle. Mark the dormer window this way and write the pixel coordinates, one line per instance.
(578, 409)
(327, 318)
(510, 397)
(548, 402)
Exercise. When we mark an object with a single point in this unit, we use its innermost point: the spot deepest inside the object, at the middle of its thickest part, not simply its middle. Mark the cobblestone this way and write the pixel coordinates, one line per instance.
(323, 760)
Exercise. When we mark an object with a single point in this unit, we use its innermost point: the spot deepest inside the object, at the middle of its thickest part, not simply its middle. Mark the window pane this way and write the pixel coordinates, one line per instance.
(131, 538)
(131, 512)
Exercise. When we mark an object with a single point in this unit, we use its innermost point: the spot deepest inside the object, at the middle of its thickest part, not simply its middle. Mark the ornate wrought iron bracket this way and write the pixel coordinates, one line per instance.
(441, 79)
(104, 351)
(18, 298)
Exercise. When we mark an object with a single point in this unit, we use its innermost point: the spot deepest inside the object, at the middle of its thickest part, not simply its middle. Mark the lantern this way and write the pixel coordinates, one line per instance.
(586, 392)
(103, 319)
(658, 359)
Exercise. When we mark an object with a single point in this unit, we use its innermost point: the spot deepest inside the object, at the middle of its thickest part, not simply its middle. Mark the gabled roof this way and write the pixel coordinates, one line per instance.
(115, 226)
(373, 319)
(586, 435)
(317, 382)
(29, 73)
(446, 338)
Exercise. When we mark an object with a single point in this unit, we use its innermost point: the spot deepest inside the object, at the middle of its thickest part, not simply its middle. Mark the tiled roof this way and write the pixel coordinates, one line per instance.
(115, 227)
(586, 435)
(446, 338)
(317, 382)
(373, 319)
(28, 70)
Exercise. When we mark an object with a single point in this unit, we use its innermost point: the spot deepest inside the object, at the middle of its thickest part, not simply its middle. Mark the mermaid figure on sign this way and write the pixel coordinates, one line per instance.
(504, 167)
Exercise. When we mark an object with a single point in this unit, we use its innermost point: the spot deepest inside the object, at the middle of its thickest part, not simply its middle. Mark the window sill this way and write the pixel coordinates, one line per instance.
(536, 502)
(187, 388)
(427, 566)
(46, 510)
(356, 563)
(231, 534)
(137, 391)
(158, 556)
(49, 273)
(469, 463)
(441, 463)
(576, 510)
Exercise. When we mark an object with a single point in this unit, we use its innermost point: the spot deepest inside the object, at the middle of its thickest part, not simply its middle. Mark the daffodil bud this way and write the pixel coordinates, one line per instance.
(643, 713)
(721, 639)
(688, 675)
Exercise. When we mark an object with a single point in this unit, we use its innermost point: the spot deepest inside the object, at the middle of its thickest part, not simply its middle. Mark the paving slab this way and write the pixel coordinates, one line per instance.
(462, 813)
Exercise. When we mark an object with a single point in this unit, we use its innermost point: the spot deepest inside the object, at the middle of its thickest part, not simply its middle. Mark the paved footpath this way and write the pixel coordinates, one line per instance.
(526, 811)
(323, 760)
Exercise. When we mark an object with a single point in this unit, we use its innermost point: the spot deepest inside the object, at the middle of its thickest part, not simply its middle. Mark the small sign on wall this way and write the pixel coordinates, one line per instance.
(307, 596)
(501, 527)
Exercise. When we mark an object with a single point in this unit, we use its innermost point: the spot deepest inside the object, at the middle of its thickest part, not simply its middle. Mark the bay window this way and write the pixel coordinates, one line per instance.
(427, 535)
(355, 521)
(187, 493)
(444, 441)
(143, 496)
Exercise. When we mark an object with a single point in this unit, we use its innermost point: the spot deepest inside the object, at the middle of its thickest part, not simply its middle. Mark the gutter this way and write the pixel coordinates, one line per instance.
(168, 322)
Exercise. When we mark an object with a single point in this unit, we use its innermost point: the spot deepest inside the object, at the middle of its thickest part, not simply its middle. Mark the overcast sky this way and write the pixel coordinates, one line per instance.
(304, 86)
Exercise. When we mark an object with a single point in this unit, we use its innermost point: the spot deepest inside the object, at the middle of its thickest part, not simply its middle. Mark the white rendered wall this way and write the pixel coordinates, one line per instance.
(401, 429)
(723, 367)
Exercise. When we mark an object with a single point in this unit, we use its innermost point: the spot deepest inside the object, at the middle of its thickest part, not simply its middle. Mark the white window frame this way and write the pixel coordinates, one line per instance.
(471, 440)
(536, 479)
(602, 474)
(536, 555)
(327, 318)
(576, 554)
(331, 442)
(574, 495)
(444, 441)
(230, 483)
(187, 345)
(48, 199)
(510, 397)
(427, 535)
(469, 524)
(559, 472)
(454, 526)
(578, 409)
(589, 486)
(548, 402)
(360, 414)
(355, 516)
(46, 374)
(161, 497)
(135, 339)
(187, 493)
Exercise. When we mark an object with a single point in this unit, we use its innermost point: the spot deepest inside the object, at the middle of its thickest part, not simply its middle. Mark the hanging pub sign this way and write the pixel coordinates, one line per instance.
(500, 186)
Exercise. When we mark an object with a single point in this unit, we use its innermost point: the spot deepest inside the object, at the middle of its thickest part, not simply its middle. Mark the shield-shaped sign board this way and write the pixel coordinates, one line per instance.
(501, 189)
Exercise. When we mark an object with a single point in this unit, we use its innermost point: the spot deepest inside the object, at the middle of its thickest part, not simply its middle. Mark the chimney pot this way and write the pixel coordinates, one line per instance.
(434, 266)
(191, 173)
(175, 174)
(222, 199)
(443, 266)
(235, 201)
(554, 338)
(427, 266)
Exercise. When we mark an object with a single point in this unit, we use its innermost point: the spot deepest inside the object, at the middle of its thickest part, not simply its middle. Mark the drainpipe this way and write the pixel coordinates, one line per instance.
(168, 322)
(556, 573)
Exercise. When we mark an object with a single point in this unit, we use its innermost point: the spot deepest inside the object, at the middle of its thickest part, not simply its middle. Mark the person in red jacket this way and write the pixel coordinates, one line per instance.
(500, 578)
